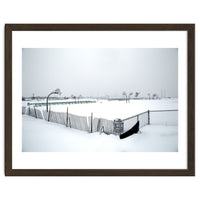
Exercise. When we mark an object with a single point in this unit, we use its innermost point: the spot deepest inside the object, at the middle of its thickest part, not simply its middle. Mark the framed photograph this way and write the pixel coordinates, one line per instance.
(99, 100)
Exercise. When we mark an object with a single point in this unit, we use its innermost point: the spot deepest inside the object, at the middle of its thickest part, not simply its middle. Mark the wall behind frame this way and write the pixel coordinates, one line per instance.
(61, 11)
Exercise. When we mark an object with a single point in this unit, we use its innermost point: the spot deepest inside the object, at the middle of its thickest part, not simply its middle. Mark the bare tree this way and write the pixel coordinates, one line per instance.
(137, 94)
(73, 97)
(107, 97)
(154, 96)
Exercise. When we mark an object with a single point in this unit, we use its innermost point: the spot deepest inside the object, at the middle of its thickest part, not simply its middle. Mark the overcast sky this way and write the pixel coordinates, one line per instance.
(99, 71)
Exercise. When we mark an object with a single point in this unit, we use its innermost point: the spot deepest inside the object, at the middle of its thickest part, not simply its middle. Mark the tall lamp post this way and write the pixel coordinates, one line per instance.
(57, 91)
(124, 93)
(129, 96)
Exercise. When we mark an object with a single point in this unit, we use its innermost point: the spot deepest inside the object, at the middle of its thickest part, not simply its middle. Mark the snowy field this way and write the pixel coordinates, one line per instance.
(42, 136)
(113, 109)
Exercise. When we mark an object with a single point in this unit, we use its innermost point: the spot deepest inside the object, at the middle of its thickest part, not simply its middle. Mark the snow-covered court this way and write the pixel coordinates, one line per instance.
(160, 136)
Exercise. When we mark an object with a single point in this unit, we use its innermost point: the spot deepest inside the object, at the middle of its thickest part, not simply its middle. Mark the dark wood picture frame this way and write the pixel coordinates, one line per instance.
(190, 171)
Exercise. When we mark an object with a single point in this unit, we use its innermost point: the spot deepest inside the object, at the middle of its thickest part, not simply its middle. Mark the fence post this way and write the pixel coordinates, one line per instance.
(67, 117)
(148, 117)
(91, 121)
(70, 123)
(35, 112)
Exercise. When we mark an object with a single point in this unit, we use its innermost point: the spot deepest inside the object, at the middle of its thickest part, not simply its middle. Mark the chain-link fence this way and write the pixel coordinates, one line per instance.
(23, 110)
(34, 112)
(153, 117)
(131, 121)
(164, 117)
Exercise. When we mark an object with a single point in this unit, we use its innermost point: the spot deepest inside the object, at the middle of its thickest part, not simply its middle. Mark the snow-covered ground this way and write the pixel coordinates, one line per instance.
(114, 109)
(42, 136)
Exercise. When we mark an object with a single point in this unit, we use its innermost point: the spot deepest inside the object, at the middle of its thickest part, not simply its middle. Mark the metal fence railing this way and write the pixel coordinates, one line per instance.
(131, 121)
(153, 117)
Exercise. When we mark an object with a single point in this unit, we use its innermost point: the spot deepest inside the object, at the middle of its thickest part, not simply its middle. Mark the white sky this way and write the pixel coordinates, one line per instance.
(99, 71)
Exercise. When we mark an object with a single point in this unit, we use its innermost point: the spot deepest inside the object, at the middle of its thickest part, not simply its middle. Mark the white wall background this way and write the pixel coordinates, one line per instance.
(104, 11)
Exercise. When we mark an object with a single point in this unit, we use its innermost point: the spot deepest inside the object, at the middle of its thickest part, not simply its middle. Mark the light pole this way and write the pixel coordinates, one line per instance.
(124, 93)
(79, 97)
(129, 96)
(57, 91)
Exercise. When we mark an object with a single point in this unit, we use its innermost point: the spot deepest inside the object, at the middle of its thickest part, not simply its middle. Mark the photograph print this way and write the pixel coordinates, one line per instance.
(100, 100)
